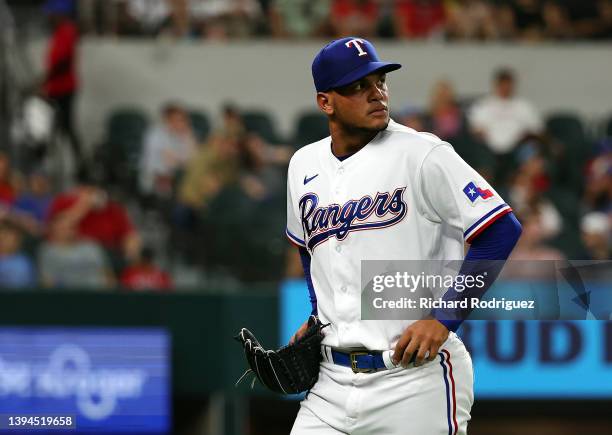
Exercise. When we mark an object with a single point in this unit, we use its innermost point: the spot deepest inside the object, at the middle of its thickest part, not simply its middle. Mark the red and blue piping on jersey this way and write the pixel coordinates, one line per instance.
(485, 221)
(451, 399)
(294, 239)
(321, 223)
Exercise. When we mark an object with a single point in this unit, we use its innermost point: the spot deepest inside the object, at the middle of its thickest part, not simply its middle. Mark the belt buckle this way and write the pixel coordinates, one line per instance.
(353, 356)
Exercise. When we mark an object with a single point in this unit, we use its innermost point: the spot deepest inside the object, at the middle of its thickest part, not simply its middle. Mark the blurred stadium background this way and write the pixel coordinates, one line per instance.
(143, 150)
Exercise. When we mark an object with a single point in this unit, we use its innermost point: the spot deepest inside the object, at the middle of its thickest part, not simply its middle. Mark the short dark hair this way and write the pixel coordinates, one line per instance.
(229, 108)
(10, 226)
(504, 73)
(172, 108)
(147, 254)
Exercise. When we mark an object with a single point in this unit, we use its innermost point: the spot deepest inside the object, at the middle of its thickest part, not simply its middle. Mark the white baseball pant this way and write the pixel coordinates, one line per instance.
(433, 399)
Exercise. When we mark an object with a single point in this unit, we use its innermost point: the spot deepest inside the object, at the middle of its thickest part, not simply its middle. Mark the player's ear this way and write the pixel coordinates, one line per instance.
(324, 103)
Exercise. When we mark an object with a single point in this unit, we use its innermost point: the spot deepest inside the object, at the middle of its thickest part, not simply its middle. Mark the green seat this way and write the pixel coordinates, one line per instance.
(200, 124)
(311, 127)
(125, 129)
(567, 203)
(260, 122)
(567, 128)
(475, 153)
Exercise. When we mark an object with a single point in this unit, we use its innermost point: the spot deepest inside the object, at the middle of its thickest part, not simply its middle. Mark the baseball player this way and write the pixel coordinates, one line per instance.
(376, 190)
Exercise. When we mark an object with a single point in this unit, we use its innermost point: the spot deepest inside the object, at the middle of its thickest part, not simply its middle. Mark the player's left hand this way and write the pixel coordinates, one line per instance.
(424, 338)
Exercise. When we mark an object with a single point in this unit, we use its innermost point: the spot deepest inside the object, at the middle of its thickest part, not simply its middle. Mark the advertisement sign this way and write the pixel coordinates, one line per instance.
(101, 380)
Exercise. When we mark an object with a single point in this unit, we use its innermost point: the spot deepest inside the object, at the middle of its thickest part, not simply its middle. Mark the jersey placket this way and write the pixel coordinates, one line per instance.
(345, 292)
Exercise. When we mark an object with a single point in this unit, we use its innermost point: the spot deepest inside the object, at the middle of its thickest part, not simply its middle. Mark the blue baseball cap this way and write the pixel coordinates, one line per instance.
(345, 60)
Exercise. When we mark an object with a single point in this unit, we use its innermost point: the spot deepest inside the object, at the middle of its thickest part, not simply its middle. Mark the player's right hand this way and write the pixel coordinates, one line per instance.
(299, 332)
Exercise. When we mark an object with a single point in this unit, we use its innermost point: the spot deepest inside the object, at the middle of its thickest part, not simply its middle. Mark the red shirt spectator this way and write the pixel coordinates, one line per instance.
(7, 191)
(143, 274)
(61, 60)
(418, 18)
(104, 221)
(354, 17)
(145, 277)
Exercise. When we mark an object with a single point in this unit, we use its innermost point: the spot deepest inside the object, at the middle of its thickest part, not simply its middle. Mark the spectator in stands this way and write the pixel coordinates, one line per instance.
(231, 121)
(68, 261)
(16, 268)
(143, 274)
(419, 19)
(470, 19)
(214, 166)
(596, 235)
(502, 120)
(523, 19)
(262, 176)
(598, 179)
(299, 18)
(222, 19)
(167, 148)
(605, 16)
(35, 201)
(530, 182)
(444, 112)
(97, 217)
(143, 17)
(557, 23)
(531, 246)
(31, 206)
(589, 18)
(7, 181)
(61, 83)
(412, 117)
(355, 17)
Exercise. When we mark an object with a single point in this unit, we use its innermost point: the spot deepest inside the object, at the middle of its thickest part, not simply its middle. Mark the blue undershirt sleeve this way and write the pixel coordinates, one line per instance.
(305, 257)
(495, 243)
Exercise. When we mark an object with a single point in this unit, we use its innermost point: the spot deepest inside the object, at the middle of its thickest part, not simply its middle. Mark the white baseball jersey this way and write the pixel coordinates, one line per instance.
(404, 196)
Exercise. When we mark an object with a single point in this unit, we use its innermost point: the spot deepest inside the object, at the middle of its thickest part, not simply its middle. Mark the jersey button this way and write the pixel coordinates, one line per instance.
(338, 248)
(343, 288)
(341, 171)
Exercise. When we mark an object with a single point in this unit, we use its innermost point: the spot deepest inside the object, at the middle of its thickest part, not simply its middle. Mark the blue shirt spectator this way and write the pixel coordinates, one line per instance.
(36, 201)
(16, 269)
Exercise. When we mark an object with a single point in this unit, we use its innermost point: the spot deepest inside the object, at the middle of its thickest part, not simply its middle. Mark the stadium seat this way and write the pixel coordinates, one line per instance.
(568, 129)
(125, 129)
(310, 127)
(200, 124)
(567, 203)
(260, 122)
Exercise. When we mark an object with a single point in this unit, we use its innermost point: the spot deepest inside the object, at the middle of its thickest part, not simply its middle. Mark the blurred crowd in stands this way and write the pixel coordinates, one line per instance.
(455, 20)
(216, 186)
(219, 189)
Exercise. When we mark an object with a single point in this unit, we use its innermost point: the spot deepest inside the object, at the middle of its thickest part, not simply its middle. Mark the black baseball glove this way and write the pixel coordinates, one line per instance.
(291, 369)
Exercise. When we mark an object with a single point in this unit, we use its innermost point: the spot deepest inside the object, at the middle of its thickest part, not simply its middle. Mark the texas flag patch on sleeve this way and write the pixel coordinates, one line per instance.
(474, 192)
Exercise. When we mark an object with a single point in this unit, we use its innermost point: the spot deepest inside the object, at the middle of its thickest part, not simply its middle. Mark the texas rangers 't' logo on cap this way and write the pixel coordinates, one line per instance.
(345, 60)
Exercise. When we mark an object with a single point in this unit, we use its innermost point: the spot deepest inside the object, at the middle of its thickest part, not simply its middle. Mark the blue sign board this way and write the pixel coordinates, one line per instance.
(113, 380)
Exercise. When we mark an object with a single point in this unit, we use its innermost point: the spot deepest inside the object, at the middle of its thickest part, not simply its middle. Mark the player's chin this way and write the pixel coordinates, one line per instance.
(378, 120)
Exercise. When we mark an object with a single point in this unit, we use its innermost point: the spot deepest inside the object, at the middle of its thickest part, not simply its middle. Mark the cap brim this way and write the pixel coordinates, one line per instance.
(365, 70)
